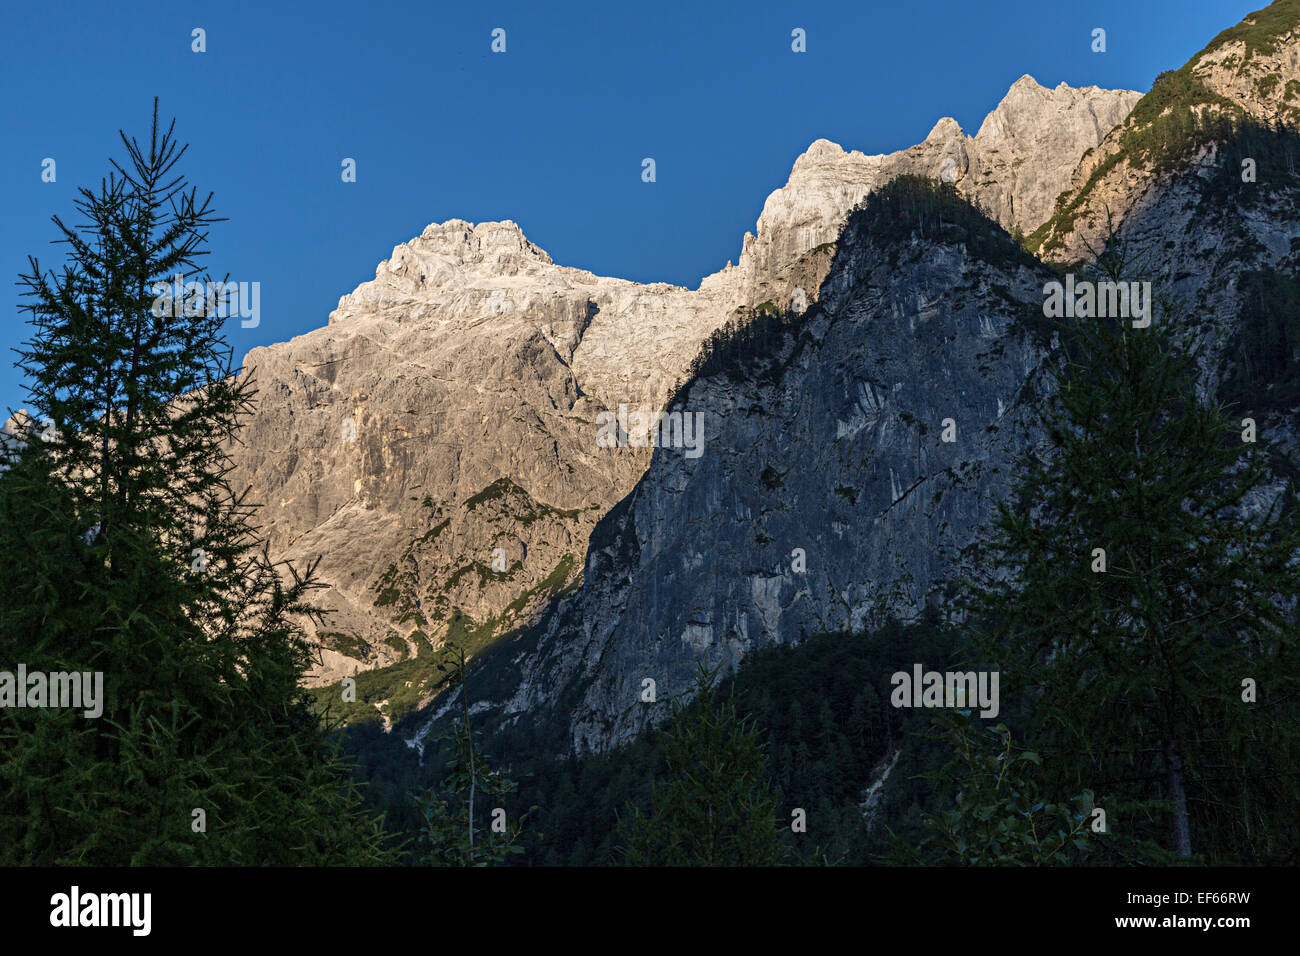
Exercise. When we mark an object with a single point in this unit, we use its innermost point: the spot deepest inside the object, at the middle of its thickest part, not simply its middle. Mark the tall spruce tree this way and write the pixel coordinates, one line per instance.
(1145, 616)
(126, 551)
(715, 806)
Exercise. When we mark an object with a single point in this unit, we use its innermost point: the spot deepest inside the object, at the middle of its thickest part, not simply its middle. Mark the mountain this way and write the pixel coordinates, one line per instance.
(450, 407)
(829, 499)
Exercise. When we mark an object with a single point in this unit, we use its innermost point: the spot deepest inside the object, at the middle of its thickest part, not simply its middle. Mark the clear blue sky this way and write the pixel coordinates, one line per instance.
(550, 134)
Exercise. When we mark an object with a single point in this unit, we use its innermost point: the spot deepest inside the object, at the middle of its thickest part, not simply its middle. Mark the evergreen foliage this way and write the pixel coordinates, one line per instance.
(1263, 367)
(1131, 677)
(457, 831)
(994, 813)
(715, 806)
(911, 208)
(126, 551)
(827, 725)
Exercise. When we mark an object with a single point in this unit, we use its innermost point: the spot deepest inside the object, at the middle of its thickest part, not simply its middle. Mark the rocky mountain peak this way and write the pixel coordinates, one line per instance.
(452, 254)
(819, 153)
(1031, 111)
(494, 243)
(944, 130)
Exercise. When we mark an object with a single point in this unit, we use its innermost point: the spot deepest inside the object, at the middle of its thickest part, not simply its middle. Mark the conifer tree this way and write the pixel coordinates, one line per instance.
(1142, 612)
(715, 806)
(125, 551)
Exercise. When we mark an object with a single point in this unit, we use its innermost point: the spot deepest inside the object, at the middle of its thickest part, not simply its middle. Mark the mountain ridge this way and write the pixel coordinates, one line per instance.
(473, 357)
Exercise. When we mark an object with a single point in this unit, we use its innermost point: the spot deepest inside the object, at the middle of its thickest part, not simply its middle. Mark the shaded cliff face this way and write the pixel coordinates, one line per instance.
(827, 496)
(850, 462)
(1225, 254)
(436, 443)
(1248, 72)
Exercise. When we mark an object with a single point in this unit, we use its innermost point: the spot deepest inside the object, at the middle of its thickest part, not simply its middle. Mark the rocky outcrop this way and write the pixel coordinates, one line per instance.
(1026, 151)
(1014, 168)
(1250, 72)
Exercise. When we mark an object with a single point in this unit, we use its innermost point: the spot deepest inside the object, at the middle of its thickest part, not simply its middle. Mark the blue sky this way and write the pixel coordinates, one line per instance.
(550, 133)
